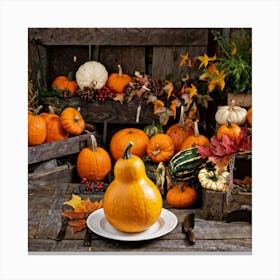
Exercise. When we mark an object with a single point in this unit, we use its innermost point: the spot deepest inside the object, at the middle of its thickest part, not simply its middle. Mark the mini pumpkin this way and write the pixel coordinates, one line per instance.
(93, 162)
(180, 131)
(232, 113)
(249, 116)
(91, 74)
(132, 202)
(118, 81)
(121, 138)
(212, 180)
(196, 139)
(55, 130)
(231, 129)
(72, 121)
(65, 86)
(37, 128)
(181, 196)
(160, 148)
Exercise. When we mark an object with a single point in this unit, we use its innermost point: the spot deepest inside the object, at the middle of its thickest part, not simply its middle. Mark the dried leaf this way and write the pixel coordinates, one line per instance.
(74, 202)
(78, 228)
(119, 97)
(77, 223)
(73, 215)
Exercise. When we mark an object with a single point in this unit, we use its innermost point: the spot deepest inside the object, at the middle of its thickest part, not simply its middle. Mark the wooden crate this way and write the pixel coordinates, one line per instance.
(216, 207)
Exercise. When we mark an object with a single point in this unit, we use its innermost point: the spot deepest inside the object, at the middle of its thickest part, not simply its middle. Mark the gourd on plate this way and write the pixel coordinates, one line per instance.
(132, 202)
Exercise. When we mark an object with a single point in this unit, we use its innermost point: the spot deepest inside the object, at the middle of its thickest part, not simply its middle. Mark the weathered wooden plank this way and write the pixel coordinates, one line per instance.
(119, 36)
(141, 247)
(243, 100)
(130, 58)
(57, 149)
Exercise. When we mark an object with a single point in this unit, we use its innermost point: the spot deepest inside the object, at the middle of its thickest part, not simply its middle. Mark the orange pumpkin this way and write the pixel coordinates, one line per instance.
(249, 116)
(93, 163)
(118, 81)
(160, 148)
(121, 138)
(65, 86)
(55, 131)
(180, 131)
(72, 121)
(37, 128)
(132, 202)
(181, 196)
(231, 129)
(196, 139)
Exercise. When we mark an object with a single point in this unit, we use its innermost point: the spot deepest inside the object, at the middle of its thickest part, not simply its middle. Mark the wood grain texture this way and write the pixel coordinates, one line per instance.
(119, 36)
(44, 222)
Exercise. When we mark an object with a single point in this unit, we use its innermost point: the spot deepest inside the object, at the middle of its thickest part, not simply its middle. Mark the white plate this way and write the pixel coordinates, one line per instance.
(98, 224)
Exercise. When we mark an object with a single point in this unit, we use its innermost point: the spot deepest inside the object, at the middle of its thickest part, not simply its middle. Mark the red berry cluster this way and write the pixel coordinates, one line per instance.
(92, 186)
(104, 93)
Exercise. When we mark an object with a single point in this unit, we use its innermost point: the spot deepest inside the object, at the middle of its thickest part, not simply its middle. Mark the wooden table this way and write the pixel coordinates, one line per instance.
(44, 223)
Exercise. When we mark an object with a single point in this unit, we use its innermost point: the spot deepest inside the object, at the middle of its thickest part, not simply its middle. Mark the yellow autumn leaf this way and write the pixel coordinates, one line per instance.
(184, 58)
(234, 50)
(204, 60)
(192, 91)
(74, 202)
(119, 97)
(169, 88)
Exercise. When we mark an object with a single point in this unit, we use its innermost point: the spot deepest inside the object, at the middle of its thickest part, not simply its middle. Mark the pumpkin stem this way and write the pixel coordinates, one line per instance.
(70, 76)
(232, 104)
(120, 70)
(229, 124)
(181, 120)
(196, 131)
(155, 153)
(51, 109)
(93, 143)
(37, 110)
(182, 187)
(127, 154)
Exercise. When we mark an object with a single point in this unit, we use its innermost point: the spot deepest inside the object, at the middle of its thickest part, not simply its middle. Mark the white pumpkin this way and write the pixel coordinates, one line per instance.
(91, 74)
(231, 113)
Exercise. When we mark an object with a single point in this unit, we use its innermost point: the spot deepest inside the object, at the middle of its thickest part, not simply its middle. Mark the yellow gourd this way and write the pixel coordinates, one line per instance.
(132, 202)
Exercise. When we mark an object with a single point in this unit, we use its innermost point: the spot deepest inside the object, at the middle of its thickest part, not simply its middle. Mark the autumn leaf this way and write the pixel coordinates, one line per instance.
(119, 97)
(74, 202)
(73, 215)
(78, 228)
(168, 88)
(191, 90)
(204, 60)
(184, 58)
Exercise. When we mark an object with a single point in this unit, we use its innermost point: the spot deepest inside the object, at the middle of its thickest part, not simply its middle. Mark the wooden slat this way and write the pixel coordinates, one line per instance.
(57, 149)
(119, 36)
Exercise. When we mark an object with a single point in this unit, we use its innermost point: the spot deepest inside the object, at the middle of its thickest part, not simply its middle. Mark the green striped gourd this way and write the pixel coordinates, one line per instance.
(185, 164)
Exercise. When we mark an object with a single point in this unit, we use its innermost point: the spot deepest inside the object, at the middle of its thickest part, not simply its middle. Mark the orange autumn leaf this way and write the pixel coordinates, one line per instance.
(73, 215)
(88, 206)
(119, 97)
(78, 228)
(77, 223)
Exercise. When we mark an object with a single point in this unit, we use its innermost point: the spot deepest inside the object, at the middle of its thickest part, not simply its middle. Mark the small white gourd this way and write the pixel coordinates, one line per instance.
(232, 113)
(91, 74)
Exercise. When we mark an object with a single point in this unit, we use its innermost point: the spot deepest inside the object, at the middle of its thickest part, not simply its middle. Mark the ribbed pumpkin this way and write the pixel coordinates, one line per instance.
(181, 196)
(153, 129)
(249, 116)
(65, 85)
(121, 138)
(55, 131)
(196, 139)
(37, 128)
(231, 129)
(72, 121)
(180, 131)
(232, 113)
(93, 162)
(160, 148)
(91, 74)
(132, 202)
(118, 81)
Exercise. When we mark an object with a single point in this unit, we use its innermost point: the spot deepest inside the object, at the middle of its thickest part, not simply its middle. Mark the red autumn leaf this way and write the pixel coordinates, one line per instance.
(73, 215)
(75, 223)
(78, 228)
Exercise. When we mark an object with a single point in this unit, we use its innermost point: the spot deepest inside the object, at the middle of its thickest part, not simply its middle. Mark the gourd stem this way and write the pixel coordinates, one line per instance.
(93, 143)
(127, 154)
(196, 131)
(70, 76)
(120, 70)
(229, 124)
(51, 109)
(232, 104)
(155, 153)
(182, 187)
(181, 120)
(37, 110)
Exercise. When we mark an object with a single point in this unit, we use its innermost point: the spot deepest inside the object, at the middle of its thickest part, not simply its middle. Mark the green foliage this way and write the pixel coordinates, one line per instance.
(236, 60)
